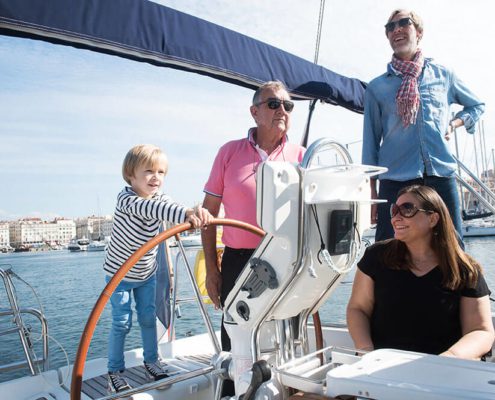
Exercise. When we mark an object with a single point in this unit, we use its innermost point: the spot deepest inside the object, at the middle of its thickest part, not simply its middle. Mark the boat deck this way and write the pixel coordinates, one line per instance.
(97, 387)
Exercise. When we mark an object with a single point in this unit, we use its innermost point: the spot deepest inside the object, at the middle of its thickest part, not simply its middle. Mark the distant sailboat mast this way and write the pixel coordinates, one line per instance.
(479, 186)
(99, 217)
(484, 160)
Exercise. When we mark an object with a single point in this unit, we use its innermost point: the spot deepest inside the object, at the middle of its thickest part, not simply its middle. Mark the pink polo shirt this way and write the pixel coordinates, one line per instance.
(232, 178)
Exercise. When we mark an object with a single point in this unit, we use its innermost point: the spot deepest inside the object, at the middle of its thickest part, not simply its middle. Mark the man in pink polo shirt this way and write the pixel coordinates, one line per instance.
(232, 183)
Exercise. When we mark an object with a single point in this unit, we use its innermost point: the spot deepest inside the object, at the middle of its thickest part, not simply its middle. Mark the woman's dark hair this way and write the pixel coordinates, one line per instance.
(458, 268)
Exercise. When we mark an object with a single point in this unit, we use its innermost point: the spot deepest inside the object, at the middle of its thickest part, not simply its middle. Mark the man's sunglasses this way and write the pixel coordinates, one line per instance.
(407, 210)
(403, 22)
(274, 104)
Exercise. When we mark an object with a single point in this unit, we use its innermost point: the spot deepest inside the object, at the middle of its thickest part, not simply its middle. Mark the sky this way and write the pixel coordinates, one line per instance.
(68, 117)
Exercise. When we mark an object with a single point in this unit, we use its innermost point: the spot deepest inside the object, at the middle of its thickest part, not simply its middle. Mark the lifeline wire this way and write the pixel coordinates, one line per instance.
(322, 247)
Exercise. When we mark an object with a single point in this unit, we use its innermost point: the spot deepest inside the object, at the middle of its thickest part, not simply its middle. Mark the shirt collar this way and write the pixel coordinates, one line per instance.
(251, 140)
(130, 190)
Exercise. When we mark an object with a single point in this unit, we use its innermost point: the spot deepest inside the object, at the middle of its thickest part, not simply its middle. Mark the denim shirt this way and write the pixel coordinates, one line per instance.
(419, 149)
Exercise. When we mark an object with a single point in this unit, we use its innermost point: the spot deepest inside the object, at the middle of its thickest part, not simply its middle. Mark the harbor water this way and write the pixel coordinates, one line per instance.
(68, 285)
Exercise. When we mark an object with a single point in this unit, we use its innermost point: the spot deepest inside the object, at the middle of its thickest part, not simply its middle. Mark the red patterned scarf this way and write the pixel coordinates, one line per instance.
(407, 97)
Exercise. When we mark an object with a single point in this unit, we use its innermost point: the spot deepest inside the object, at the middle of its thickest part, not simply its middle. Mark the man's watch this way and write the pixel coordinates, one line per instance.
(452, 125)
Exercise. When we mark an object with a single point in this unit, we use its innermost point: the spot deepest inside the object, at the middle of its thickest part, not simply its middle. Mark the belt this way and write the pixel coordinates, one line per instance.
(239, 252)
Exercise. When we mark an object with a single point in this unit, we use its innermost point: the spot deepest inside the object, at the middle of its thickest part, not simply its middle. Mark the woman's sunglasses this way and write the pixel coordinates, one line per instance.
(274, 104)
(407, 210)
(403, 22)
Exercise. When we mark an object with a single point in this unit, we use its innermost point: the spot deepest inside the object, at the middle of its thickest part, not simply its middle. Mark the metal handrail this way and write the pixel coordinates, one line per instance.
(43, 361)
(471, 189)
(22, 330)
(197, 295)
(478, 196)
(325, 144)
(199, 299)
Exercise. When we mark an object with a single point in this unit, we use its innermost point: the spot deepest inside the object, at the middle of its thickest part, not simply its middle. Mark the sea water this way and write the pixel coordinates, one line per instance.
(68, 285)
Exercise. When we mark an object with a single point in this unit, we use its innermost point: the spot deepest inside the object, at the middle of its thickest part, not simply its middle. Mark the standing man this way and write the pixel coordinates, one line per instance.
(232, 183)
(407, 122)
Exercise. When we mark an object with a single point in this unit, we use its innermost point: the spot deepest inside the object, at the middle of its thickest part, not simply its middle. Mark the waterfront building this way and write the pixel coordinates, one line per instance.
(106, 226)
(66, 229)
(4, 235)
(33, 232)
(94, 228)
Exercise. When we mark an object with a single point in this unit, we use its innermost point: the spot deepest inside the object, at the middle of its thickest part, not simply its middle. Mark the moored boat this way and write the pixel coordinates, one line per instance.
(77, 245)
(476, 228)
(6, 249)
(97, 245)
(22, 248)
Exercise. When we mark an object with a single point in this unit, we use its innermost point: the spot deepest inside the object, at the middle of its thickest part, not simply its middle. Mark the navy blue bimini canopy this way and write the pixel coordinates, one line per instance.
(145, 31)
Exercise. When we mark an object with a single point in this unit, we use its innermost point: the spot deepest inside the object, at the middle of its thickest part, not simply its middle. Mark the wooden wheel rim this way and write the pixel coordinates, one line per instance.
(87, 335)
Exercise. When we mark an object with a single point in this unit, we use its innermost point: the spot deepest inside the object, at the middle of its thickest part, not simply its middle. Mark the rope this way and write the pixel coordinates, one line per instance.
(318, 33)
(312, 103)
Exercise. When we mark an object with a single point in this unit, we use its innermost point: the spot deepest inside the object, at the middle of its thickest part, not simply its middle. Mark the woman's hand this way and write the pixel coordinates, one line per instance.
(447, 353)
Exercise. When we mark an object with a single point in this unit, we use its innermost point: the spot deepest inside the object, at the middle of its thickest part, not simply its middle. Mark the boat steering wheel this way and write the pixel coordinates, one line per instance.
(87, 335)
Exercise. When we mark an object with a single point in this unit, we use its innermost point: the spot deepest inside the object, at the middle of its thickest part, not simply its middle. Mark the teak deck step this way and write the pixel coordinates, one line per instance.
(96, 387)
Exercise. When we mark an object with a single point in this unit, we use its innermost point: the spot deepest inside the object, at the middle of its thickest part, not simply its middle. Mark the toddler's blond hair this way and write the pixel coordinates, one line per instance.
(143, 154)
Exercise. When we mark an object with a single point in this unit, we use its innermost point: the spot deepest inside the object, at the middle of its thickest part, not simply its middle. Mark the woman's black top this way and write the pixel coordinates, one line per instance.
(414, 313)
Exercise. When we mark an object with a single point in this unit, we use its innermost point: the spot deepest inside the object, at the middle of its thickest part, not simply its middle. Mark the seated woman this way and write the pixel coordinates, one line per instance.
(420, 291)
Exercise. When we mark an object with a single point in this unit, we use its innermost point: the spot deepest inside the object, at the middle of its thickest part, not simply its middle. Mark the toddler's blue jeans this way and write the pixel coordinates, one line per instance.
(144, 296)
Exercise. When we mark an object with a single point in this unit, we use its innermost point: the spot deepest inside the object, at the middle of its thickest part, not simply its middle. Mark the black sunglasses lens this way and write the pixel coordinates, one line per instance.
(273, 104)
(288, 105)
(407, 210)
(390, 26)
(403, 22)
